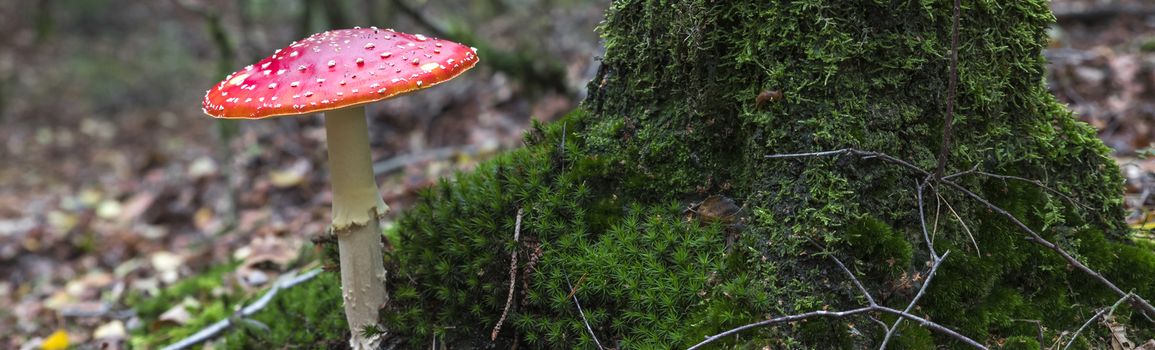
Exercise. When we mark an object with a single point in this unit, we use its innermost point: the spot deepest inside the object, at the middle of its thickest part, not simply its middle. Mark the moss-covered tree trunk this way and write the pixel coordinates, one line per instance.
(674, 117)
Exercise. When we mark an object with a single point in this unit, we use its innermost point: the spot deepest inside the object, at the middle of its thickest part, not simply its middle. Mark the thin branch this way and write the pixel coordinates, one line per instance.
(937, 261)
(1038, 326)
(922, 221)
(1095, 317)
(1038, 183)
(790, 318)
(512, 277)
(857, 283)
(952, 88)
(841, 314)
(811, 154)
(421, 20)
(962, 223)
(583, 315)
(1136, 300)
(288, 280)
(395, 163)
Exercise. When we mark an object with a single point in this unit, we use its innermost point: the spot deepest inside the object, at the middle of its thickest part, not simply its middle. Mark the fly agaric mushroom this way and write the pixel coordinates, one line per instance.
(338, 72)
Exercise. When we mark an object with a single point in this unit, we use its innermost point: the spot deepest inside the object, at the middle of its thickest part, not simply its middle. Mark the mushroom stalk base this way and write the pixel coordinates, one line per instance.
(357, 205)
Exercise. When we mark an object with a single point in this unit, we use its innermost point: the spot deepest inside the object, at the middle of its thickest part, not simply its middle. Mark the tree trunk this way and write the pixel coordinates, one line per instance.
(655, 207)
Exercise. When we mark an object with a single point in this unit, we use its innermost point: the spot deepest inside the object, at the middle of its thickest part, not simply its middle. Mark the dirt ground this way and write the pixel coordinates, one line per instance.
(113, 182)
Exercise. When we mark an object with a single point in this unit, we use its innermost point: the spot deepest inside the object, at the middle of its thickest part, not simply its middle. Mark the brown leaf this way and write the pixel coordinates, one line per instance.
(136, 206)
(177, 315)
(717, 208)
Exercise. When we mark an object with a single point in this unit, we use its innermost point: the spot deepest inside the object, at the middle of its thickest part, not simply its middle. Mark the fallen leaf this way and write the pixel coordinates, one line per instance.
(167, 265)
(290, 176)
(57, 341)
(114, 329)
(136, 206)
(177, 315)
(717, 208)
(109, 209)
(202, 167)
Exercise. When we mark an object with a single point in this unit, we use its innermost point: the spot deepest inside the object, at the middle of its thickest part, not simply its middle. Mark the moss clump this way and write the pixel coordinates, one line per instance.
(207, 306)
(307, 315)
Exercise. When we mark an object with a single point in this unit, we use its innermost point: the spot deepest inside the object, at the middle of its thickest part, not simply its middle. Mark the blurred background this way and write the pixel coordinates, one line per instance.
(114, 185)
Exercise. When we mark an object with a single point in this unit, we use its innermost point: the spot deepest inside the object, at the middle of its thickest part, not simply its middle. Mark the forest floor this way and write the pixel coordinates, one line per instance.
(103, 200)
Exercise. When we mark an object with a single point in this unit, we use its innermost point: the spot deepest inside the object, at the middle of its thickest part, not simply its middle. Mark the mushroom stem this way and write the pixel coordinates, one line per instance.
(351, 168)
(357, 205)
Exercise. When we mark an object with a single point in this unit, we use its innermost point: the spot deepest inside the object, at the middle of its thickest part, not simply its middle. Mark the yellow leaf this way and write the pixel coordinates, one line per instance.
(57, 341)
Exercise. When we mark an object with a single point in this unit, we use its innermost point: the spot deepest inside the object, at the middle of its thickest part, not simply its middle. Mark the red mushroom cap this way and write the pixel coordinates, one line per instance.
(337, 69)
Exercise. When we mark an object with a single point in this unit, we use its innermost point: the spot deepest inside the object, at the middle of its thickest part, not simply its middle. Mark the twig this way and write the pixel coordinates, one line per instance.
(512, 277)
(1136, 300)
(1095, 317)
(573, 290)
(857, 283)
(288, 280)
(1038, 325)
(962, 223)
(1038, 183)
(922, 221)
(952, 88)
(398, 162)
(873, 307)
(583, 315)
(921, 291)
(421, 20)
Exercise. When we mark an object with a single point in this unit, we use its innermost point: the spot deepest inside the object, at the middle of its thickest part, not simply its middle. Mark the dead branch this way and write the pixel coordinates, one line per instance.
(583, 315)
(873, 307)
(1038, 325)
(1136, 301)
(288, 280)
(396, 163)
(512, 277)
(1037, 183)
(1097, 315)
(937, 261)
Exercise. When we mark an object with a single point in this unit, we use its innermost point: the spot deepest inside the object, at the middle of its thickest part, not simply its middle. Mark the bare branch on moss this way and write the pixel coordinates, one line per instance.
(962, 223)
(871, 308)
(1038, 325)
(1104, 311)
(583, 315)
(936, 262)
(1037, 183)
(1033, 236)
(512, 276)
(288, 280)
(922, 220)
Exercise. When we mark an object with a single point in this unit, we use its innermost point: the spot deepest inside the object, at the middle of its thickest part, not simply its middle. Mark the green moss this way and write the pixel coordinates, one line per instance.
(1021, 343)
(881, 246)
(911, 336)
(307, 315)
(209, 298)
(636, 269)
